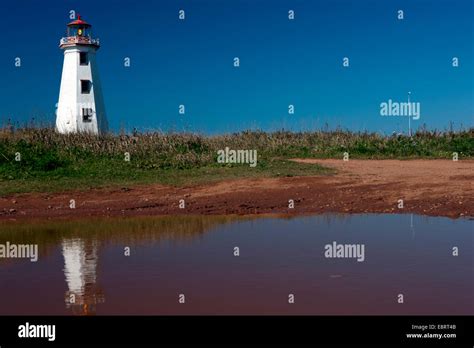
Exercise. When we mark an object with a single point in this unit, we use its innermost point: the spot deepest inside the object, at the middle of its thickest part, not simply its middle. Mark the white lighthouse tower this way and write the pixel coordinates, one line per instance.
(81, 105)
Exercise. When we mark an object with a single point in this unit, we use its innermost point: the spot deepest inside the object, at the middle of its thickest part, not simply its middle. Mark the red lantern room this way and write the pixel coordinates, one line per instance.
(78, 33)
(78, 27)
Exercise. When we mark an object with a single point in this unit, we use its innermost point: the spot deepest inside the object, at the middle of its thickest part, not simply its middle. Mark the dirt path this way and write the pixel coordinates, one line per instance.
(429, 187)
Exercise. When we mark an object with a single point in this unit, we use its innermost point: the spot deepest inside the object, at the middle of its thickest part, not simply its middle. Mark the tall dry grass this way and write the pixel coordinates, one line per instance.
(179, 150)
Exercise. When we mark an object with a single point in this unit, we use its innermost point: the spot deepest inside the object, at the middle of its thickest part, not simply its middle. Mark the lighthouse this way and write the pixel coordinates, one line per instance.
(81, 104)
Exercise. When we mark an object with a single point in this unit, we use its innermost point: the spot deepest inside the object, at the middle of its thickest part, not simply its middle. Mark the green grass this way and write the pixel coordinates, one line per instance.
(53, 162)
(112, 173)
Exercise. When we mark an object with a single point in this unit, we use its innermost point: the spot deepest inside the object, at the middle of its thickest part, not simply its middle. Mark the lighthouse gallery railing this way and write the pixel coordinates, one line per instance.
(78, 40)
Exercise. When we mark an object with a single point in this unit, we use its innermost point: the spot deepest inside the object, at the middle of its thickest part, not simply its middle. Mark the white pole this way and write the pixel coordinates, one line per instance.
(409, 116)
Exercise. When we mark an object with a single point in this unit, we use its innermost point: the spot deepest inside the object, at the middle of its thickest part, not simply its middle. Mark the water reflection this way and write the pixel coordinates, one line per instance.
(80, 271)
(82, 263)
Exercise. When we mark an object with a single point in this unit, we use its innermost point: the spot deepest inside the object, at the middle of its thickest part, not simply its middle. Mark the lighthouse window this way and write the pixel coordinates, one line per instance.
(83, 59)
(86, 86)
(87, 114)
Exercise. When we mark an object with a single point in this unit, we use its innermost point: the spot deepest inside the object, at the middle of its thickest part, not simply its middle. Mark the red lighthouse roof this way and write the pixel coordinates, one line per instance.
(78, 22)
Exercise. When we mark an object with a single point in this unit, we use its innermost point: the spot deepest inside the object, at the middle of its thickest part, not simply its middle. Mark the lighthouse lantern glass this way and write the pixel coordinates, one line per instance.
(78, 31)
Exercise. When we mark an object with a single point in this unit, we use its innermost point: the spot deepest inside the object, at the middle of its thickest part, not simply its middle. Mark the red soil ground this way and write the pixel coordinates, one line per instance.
(428, 187)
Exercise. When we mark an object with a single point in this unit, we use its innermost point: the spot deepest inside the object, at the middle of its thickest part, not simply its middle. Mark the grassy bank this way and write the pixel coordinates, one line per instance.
(53, 162)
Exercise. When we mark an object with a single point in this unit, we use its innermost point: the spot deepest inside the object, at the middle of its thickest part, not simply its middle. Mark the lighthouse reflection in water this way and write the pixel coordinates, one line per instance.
(82, 262)
(80, 270)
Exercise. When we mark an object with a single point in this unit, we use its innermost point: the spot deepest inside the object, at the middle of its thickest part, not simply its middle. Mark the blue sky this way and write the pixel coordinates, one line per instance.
(283, 62)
